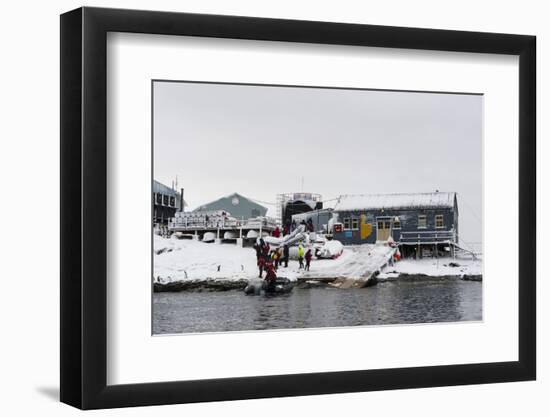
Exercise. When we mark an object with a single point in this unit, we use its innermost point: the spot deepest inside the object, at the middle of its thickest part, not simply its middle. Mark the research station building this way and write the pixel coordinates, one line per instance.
(166, 201)
(235, 204)
(420, 223)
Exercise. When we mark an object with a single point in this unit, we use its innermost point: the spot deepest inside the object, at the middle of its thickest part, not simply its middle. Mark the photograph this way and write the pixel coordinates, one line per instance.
(279, 207)
(247, 195)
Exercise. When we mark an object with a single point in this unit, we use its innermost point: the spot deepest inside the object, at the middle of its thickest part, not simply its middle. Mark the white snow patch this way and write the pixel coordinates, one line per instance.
(434, 267)
(179, 260)
(379, 201)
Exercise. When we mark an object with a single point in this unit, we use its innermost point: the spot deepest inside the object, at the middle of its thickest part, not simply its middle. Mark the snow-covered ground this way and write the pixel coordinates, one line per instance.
(182, 260)
(434, 267)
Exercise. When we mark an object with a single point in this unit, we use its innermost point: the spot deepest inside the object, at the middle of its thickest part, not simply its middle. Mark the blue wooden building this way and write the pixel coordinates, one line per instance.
(421, 223)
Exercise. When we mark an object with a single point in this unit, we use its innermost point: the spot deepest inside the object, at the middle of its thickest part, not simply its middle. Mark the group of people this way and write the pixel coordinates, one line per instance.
(289, 227)
(278, 232)
(269, 260)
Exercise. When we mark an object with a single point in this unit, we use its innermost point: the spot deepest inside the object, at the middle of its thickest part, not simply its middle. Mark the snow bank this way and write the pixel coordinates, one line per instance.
(332, 248)
(181, 260)
(435, 267)
(190, 260)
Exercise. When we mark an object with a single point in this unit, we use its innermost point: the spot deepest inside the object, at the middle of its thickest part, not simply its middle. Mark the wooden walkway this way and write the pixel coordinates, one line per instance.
(357, 271)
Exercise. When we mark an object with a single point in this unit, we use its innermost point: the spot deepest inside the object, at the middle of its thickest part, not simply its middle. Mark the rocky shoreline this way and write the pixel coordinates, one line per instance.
(426, 277)
(200, 285)
(213, 285)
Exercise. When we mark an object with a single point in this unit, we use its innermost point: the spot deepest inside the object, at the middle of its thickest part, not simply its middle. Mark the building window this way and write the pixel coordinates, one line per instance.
(354, 224)
(158, 199)
(347, 223)
(397, 223)
(164, 200)
(172, 201)
(439, 221)
(422, 221)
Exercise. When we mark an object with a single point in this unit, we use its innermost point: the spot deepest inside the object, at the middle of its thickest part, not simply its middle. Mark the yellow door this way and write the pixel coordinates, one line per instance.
(383, 229)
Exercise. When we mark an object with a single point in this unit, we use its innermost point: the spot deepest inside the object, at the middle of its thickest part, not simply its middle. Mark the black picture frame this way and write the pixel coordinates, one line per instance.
(84, 207)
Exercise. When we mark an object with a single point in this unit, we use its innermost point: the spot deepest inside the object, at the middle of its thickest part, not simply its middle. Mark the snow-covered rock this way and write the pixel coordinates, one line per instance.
(331, 249)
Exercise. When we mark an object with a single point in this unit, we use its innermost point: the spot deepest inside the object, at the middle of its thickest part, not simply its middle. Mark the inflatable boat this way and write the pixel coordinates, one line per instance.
(259, 286)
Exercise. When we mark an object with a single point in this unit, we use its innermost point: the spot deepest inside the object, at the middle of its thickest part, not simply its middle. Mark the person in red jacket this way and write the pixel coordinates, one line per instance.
(271, 277)
(265, 248)
(277, 232)
(262, 256)
(308, 259)
(260, 261)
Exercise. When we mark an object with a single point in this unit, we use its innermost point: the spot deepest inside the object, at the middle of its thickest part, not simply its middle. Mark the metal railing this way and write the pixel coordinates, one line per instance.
(185, 223)
(427, 236)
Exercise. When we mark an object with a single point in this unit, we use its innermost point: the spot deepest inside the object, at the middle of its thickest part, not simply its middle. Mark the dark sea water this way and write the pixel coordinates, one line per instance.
(395, 302)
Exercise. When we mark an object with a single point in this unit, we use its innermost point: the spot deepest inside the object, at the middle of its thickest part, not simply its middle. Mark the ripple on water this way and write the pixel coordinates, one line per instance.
(396, 302)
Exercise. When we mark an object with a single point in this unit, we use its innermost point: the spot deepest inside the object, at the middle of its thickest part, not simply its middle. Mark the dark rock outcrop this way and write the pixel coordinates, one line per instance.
(472, 278)
(202, 285)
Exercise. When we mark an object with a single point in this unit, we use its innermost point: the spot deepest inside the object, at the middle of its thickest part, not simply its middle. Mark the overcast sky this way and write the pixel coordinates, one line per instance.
(260, 141)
